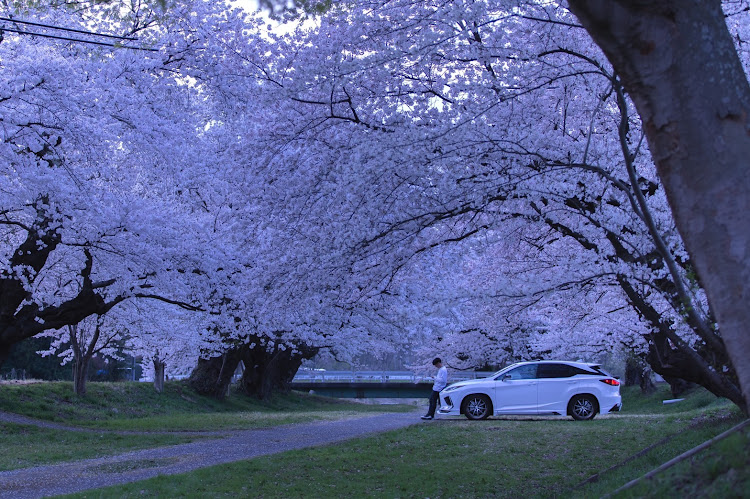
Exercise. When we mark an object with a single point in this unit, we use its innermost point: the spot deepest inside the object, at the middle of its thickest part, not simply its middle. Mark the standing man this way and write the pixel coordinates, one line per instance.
(441, 380)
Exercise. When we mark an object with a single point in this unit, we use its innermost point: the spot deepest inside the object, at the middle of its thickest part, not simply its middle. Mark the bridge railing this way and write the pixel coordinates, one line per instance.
(314, 375)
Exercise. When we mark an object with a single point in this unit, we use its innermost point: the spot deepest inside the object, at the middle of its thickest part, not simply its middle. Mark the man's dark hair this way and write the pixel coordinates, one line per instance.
(436, 361)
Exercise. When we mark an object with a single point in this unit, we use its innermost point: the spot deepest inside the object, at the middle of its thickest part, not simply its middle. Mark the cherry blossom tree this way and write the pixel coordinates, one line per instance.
(134, 183)
(460, 117)
(165, 337)
(470, 174)
(79, 343)
(693, 95)
(94, 142)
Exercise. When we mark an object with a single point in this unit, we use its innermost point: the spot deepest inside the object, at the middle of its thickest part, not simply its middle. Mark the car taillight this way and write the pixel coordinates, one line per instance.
(610, 381)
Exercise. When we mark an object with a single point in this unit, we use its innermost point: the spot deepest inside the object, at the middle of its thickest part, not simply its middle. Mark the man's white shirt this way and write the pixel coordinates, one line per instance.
(441, 380)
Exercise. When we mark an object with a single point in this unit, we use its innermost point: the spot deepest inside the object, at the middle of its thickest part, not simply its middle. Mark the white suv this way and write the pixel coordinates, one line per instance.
(547, 387)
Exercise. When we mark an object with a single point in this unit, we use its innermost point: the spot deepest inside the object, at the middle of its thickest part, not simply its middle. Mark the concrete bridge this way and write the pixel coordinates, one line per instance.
(372, 384)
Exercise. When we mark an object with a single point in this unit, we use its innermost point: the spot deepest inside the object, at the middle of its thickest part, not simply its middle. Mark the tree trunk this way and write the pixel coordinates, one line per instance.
(80, 375)
(265, 371)
(678, 62)
(669, 356)
(268, 371)
(260, 370)
(647, 383)
(159, 367)
(678, 386)
(637, 373)
(682, 372)
(213, 376)
(633, 371)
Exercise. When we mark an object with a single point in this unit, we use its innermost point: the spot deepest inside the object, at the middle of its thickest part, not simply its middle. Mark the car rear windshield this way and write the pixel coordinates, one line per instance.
(553, 370)
(601, 371)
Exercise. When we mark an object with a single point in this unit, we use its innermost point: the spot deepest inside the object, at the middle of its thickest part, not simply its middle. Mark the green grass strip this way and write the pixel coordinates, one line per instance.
(24, 446)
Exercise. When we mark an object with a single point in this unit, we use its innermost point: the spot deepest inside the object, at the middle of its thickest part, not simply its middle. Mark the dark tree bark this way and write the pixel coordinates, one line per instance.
(678, 386)
(267, 369)
(80, 375)
(679, 64)
(82, 355)
(213, 376)
(632, 372)
(647, 383)
(159, 368)
(21, 316)
(638, 373)
(668, 355)
(19, 313)
(272, 370)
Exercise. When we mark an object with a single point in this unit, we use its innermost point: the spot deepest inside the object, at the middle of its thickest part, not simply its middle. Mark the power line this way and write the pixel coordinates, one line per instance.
(66, 29)
(69, 39)
(115, 45)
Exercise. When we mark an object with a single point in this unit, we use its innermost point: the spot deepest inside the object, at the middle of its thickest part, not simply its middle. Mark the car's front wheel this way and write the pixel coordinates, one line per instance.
(477, 406)
(582, 407)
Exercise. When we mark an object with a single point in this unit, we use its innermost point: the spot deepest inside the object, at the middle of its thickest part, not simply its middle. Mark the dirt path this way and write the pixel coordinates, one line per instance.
(78, 476)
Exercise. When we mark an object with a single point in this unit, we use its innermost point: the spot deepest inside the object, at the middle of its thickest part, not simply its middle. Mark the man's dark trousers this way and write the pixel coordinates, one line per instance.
(433, 403)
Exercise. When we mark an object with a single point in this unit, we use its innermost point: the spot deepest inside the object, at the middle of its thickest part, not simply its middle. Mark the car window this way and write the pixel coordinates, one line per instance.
(562, 371)
(600, 371)
(522, 372)
(595, 372)
(555, 371)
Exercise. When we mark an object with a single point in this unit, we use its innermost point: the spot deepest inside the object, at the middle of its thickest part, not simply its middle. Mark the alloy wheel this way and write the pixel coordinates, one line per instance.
(477, 407)
(583, 408)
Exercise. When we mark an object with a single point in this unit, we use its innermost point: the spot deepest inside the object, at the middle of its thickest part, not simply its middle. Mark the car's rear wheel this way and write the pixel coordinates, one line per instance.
(477, 406)
(582, 407)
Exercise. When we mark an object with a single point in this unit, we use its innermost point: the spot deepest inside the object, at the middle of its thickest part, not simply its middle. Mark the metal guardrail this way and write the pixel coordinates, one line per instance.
(315, 376)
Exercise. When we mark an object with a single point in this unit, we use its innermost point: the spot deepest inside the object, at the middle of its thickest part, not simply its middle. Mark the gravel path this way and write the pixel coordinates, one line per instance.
(78, 476)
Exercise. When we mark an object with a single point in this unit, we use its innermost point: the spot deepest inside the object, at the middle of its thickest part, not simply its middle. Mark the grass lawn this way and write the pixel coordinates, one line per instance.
(504, 457)
(25, 446)
(723, 470)
(137, 406)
